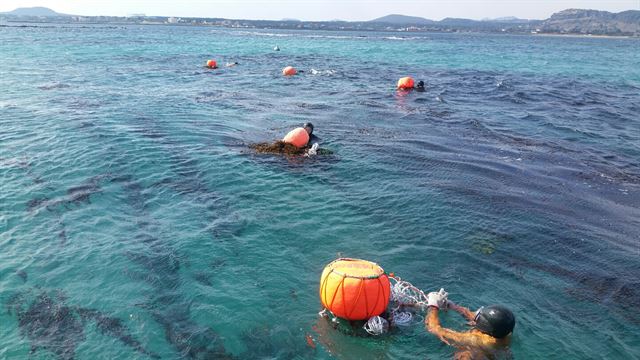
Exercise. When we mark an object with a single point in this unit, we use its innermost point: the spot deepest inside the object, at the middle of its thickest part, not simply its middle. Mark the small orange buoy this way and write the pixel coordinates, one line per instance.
(405, 83)
(354, 289)
(289, 70)
(298, 137)
(212, 64)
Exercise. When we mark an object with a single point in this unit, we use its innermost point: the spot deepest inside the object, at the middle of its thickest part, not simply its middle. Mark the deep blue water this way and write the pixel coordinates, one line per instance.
(136, 223)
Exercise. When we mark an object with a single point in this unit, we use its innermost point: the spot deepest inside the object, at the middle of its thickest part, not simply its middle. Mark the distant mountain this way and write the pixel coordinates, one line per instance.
(458, 22)
(484, 25)
(571, 21)
(402, 20)
(508, 19)
(593, 22)
(33, 11)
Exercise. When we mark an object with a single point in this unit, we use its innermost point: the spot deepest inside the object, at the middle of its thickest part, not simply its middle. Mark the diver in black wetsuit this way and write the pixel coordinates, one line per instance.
(309, 127)
(420, 86)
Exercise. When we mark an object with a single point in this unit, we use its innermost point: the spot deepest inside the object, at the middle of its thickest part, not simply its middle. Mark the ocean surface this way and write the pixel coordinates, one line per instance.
(135, 223)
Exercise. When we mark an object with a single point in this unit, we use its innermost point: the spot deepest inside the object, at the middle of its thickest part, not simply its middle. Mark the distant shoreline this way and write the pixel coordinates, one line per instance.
(587, 36)
(33, 24)
(569, 22)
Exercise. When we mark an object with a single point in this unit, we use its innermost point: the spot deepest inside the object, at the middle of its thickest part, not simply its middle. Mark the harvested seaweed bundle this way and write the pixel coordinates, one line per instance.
(279, 147)
(282, 148)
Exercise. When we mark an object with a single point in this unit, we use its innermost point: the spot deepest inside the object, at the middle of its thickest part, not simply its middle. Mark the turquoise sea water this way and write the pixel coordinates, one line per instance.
(135, 222)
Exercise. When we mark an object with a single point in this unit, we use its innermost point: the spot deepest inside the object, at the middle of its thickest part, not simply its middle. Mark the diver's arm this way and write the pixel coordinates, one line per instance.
(468, 314)
(432, 323)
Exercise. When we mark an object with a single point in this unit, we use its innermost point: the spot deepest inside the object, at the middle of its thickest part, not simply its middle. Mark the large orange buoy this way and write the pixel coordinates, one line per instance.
(289, 70)
(405, 83)
(212, 64)
(298, 137)
(354, 289)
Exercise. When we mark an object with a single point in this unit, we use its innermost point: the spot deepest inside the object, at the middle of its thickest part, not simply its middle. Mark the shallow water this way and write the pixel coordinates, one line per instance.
(135, 222)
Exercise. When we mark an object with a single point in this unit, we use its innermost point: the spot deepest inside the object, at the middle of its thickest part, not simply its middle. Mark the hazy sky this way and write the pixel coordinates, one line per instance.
(323, 9)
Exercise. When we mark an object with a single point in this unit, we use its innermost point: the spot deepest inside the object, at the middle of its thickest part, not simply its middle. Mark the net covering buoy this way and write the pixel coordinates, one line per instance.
(354, 289)
(405, 83)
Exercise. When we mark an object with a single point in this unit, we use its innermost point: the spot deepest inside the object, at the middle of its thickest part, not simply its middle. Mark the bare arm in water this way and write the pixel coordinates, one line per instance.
(448, 336)
(468, 314)
(432, 322)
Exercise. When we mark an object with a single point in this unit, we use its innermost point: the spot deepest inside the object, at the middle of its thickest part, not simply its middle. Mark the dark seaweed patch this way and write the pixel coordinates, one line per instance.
(203, 279)
(22, 274)
(75, 196)
(158, 258)
(48, 324)
(192, 341)
(264, 342)
(37, 202)
(51, 325)
(62, 235)
(114, 328)
(217, 263)
(487, 241)
(162, 266)
(594, 287)
(54, 86)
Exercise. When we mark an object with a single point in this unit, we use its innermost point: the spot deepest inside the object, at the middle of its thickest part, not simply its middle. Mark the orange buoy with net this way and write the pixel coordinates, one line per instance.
(298, 137)
(212, 64)
(405, 83)
(289, 70)
(354, 289)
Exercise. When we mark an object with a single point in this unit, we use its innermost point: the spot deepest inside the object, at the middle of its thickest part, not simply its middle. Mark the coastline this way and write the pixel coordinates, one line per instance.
(23, 24)
(587, 36)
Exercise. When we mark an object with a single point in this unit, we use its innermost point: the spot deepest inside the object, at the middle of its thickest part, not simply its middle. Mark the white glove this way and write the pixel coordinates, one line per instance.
(313, 151)
(437, 299)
